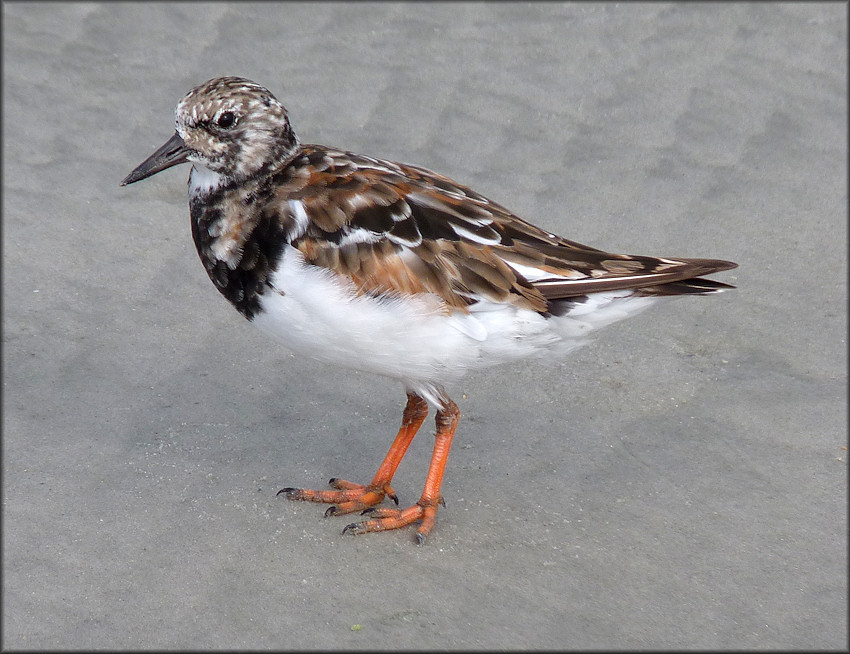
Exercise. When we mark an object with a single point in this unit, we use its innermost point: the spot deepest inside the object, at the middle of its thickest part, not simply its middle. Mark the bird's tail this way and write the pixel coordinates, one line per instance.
(693, 286)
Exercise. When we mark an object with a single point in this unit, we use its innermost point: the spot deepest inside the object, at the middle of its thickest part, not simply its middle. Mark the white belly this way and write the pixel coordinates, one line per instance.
(312, 313)
(414, 339)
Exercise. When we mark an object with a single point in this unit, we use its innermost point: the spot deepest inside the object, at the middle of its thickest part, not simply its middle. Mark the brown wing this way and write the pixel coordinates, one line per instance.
(397, 228)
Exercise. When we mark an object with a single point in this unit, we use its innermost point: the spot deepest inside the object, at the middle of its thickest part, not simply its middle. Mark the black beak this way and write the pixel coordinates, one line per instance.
(173, 152)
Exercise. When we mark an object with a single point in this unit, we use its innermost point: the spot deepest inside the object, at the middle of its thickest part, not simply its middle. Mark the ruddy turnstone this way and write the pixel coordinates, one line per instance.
(388, 268)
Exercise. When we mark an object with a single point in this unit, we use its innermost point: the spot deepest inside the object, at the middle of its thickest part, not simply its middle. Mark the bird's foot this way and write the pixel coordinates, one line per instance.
(383, 519)
(347, 498)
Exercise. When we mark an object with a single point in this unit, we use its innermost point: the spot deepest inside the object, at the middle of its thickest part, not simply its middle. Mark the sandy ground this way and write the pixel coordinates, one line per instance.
(680, 483)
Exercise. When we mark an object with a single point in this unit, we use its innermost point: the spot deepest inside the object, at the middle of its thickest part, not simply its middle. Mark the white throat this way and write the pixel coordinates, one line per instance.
(203, 181)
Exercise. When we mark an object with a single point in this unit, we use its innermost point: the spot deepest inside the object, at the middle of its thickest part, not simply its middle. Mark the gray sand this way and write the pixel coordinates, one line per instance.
(679, 483)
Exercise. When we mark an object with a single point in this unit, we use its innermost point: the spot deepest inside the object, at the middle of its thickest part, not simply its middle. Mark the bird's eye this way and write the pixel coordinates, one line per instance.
(226, 120)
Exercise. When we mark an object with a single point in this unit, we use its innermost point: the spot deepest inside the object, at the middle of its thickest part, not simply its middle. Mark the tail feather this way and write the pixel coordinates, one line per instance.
(694, 286)
(651, 276)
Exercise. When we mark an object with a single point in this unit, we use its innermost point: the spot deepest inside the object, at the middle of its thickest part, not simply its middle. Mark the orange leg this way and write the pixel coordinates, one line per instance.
(425, 510)
(349, 497)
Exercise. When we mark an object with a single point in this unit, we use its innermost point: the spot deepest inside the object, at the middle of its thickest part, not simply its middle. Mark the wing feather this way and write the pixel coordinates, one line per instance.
(394, 228)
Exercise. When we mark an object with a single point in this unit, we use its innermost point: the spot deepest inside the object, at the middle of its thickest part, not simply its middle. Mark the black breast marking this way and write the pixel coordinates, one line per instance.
(246, 277)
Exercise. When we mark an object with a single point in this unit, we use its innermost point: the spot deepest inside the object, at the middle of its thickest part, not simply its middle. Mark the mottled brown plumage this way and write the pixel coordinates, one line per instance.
(396, 228)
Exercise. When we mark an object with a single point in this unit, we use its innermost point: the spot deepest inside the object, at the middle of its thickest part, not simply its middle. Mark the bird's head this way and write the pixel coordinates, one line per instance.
(229, 125)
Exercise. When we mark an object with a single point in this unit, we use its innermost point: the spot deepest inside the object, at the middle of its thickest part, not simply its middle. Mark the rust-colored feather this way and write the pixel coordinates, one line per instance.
(398, 228)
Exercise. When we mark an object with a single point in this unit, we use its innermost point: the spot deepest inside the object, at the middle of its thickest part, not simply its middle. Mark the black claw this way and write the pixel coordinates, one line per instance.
(420, 538)
(352, 527)
(331, 511)
(394, 498)
(442, 502)
(332, 481)
(286, 490)
(371, 509)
